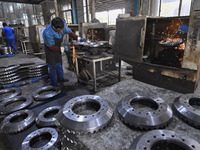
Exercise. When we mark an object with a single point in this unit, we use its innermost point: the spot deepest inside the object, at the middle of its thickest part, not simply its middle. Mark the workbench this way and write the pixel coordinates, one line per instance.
(94, 61)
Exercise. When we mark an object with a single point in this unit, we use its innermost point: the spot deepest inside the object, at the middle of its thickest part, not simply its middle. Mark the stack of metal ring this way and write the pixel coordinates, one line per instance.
(37, 70)
(9, 75)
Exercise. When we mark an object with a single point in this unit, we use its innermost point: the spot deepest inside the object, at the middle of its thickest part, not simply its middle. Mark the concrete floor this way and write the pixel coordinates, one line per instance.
(117, 136)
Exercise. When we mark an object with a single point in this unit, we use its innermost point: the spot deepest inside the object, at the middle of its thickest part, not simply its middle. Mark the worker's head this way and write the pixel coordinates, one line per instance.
(4, 24)
(57, 24)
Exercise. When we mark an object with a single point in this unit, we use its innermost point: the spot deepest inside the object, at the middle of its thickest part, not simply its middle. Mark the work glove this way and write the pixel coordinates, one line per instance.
(82, 40)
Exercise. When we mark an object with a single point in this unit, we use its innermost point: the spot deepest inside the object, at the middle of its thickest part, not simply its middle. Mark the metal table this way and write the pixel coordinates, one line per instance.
(94, 61)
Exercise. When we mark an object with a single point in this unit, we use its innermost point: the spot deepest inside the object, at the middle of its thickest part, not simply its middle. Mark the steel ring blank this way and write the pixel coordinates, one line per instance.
(84, 114)
(160, 117)
(164, 140)
(46, 117)
(38, 96)
(42, 139)
(183, 107)
(5, 69)
(15, 92)
(6, 109)
(18, 121)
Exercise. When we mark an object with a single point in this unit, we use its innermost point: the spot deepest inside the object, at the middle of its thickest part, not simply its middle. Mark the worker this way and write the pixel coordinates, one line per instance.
(8, 33)
(53, 36)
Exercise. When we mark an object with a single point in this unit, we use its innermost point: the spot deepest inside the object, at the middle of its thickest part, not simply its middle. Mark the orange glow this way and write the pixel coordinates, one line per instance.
(182, 46)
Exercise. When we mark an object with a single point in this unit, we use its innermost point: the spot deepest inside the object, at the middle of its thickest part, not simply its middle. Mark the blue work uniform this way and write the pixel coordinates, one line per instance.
(10, 37)
(54, 58)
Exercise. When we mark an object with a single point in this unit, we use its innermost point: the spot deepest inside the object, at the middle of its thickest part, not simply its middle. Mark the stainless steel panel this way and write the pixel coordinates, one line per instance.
(130, 33)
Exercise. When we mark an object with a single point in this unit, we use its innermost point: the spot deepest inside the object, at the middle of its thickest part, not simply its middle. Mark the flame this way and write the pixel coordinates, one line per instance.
(182, 46)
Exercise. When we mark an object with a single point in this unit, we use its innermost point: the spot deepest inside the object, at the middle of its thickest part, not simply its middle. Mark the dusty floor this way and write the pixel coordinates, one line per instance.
(117, 136)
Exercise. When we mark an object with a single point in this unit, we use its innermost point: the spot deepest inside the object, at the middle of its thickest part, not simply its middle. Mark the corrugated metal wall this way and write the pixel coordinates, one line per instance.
(104, 5)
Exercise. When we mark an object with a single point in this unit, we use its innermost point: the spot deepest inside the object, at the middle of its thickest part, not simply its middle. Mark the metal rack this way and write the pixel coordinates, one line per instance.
(94, 75)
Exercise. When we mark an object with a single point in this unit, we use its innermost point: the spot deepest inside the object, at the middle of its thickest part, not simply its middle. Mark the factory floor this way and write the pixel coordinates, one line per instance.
(116, 136)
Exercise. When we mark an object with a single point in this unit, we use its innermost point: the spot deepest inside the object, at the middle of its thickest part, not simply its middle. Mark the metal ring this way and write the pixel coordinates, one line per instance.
(158, 118)
(10, 82)
(40, 66)
(15, 92)
(164, 139)
(37, 94)
(43, 118)
(13, 67)
(6, 110)
(18, 121)
(8, 75)
(183, 107)
(44, 134)
(8, 72)
(74, 115)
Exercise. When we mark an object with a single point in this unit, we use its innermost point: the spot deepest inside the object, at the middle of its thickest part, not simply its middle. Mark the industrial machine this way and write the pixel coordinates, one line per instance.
(158, 52)
(36, 39)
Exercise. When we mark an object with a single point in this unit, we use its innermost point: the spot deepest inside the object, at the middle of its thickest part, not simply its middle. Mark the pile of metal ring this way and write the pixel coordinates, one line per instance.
(15, 73)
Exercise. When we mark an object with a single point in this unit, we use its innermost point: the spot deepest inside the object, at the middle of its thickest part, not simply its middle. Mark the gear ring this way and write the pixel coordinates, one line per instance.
(159, 118)
(15, 92)
(183, 108)
(6, 110)
(37, 94)
(11, 124)
(43, 120)
(44, 134)
(82, 122)
(166, 139)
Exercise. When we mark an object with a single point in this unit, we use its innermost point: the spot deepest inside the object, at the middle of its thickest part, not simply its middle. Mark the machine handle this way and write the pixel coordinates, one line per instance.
(141, 36)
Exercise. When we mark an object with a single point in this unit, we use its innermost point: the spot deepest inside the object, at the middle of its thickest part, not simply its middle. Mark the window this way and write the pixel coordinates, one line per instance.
(67, 13)
(170, 8)
(110, 16)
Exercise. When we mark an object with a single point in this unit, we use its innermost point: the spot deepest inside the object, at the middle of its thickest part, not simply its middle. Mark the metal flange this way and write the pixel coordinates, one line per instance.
(49, 140)
(85, 114)
(184, 107)
(159, 117)
(6, 106)
(14, 92)
(18, 121)
(164, 140)
(38, 96)
(46, 117)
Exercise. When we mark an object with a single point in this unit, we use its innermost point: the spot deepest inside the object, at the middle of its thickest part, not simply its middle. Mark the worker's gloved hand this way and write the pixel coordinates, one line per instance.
(82, 40)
